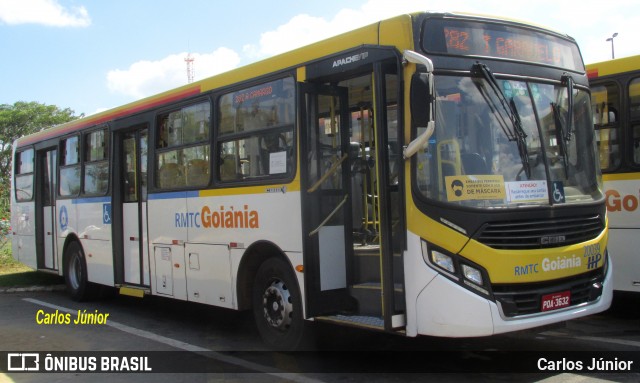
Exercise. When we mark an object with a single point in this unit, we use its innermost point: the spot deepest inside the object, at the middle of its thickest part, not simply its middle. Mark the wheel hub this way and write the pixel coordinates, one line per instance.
(276, 302)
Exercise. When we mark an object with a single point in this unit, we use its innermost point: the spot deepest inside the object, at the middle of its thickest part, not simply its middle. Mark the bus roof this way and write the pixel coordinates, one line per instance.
(615, 66)
(373, 34)
(291, 59)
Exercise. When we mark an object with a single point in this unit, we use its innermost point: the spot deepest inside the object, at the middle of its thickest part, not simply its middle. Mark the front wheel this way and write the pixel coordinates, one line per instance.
(277, 306)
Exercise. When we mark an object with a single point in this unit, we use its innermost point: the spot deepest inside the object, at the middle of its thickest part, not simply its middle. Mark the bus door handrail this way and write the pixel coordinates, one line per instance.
(326, 175)
(333, 212)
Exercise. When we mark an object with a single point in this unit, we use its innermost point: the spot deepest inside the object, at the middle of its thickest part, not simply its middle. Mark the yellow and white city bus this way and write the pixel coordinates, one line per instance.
(430, 174)
(615, 95)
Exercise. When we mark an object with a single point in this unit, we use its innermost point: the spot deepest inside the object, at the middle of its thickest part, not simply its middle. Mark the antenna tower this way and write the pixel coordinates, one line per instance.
(190, 71)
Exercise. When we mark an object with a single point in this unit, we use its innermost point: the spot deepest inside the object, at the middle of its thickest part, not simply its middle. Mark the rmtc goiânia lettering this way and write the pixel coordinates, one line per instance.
(619, 202)
(223, 217)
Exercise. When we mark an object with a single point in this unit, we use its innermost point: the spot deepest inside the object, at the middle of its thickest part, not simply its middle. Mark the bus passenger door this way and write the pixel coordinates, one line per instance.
(46, 210)
(326, 204)
(133, 184)
(352, 204)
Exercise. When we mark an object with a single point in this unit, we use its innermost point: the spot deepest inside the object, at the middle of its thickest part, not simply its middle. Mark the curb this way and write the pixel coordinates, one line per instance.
(30, 289)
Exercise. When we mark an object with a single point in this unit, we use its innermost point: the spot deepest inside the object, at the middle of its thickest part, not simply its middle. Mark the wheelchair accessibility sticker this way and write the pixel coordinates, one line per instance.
(558, 192)
(106, 214)
(64, 218)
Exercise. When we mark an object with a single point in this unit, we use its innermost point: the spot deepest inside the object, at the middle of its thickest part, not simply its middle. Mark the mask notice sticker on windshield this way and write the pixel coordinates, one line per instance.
(468, 188)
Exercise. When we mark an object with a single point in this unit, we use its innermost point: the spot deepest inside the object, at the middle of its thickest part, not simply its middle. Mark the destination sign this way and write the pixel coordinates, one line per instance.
(462, 37)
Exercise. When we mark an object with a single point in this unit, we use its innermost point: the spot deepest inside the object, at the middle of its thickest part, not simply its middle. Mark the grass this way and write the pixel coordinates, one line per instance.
(15, 274)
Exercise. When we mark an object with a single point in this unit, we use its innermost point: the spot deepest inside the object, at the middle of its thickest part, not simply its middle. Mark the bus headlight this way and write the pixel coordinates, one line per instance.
(438, 258)
(472, 274)
(457, 268)
(442, 260)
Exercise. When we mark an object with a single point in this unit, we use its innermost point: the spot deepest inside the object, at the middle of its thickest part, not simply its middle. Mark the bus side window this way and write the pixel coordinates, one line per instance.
(636, 145)
(163, 133)
(96, 162)
(69, 183)
(170, 176)
(634, 116)
(256, 131)
(229, 166)
(182, 156)
(605, 103)
(197, 172)
(24, 175)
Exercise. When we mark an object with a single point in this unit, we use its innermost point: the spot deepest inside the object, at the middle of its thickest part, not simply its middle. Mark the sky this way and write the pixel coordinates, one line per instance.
(93, 55)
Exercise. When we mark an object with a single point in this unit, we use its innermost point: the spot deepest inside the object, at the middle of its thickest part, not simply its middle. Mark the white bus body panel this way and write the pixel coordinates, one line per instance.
(162, 263)
(169, 278)
(146, 264)
(204, 253)
(623, 211)
(131, 242)
(24, 240)
(624, 248)
(437, 306)
(66, 219)
(23, 231)
(94, 231)
(179, 217)
(163, 267)
(208, 270)
(49, 238)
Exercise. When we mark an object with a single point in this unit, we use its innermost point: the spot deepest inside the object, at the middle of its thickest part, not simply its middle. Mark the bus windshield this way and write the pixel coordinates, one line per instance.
(530, 151)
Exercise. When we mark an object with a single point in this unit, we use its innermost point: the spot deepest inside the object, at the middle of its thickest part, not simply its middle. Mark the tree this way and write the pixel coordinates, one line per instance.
(18, 120)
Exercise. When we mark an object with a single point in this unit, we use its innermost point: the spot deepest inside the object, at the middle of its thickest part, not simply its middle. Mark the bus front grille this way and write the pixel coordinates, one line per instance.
(542, 233)
(526, 299)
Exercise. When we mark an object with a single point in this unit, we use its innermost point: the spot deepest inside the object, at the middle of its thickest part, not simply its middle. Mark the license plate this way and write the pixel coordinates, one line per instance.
(556, 300)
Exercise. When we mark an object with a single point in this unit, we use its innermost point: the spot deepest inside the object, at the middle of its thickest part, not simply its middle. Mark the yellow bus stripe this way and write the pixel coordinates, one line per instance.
(621, 176)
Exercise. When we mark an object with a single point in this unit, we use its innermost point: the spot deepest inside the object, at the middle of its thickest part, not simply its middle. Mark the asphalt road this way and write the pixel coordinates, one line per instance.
(223, 345)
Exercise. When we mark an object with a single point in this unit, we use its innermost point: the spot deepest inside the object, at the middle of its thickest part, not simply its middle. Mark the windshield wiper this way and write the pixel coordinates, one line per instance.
(561, 136)
(503, 109)
(513, 131)
(568, 133)
(521, 139)
(564, 133)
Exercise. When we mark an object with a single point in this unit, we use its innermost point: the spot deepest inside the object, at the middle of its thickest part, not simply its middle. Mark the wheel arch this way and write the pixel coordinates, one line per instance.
(252, 258)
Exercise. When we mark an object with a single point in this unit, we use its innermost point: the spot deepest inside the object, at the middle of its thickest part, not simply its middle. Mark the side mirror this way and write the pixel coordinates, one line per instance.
(420, 112)
(420, 103)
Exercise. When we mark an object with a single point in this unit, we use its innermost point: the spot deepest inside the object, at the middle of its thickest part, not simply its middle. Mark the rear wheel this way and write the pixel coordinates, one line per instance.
(277, 306)
(75, 273)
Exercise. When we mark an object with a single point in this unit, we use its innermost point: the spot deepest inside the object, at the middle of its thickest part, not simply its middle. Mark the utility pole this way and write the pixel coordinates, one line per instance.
(611, 39)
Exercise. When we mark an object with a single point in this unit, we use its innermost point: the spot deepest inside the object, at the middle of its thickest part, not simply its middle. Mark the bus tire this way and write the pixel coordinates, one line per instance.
(75, 273)
(277, 306)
